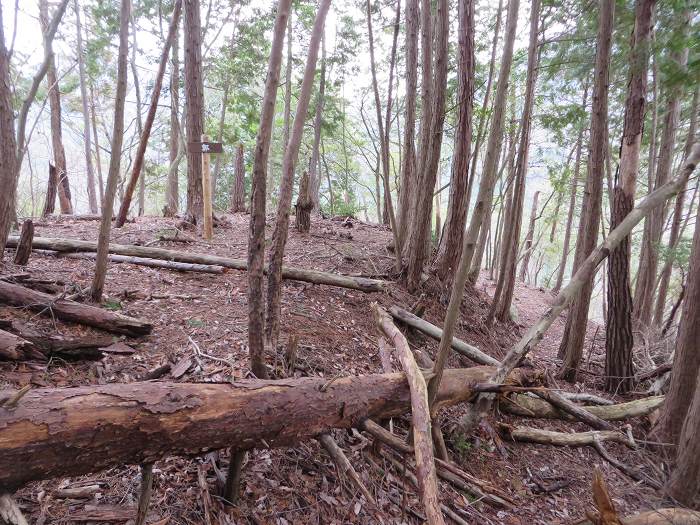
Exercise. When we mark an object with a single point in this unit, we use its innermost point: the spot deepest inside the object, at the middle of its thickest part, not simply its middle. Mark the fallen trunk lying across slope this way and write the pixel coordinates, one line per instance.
(295, 274)
(16, 295)
(152, 263)
(433, 331)
(56, 432)
(15, 348)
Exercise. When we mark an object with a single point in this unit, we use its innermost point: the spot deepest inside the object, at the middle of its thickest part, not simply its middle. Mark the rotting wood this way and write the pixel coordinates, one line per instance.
(15, 348)
(562, 439)
(145, 494)
(143, 422)
(15, 295)
(10, 513)
(526, 406)
(344, 465)
(295, 274)
(421, 418)
(574, 410)
(152, 263)
(24, 246)
(433, 331)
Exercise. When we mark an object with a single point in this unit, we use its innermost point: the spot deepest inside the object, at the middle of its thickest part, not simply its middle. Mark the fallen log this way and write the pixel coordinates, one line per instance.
(562, 439)
(672, 516)
(295, 274)
(433, 331)
(59, 432)
(573, 410)
(152, 263)
(526, 406)
(14, 348)
(15, 295)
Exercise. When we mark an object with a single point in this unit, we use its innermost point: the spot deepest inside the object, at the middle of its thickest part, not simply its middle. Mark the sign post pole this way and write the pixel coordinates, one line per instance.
(208, 230)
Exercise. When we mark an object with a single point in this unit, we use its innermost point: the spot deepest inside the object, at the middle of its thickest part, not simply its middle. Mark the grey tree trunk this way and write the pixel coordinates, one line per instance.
(172, 196)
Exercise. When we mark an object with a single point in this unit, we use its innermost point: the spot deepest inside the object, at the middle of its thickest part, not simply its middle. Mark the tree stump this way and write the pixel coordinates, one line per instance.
(304, 205)
(51, 189)
(24, 246)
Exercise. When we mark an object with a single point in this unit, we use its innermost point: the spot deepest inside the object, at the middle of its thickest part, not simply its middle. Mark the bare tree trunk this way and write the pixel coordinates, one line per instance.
(98, 159)
(648, 264)
(408, 165)
(304, 205)
(194, 96)
(92, 198)
(51, 189)
(505, 286)
(686, 362)
(150, 118)
(529, 238)
(451, 240)
(665, 278)
(8, 145)
(59, 154)
(256, 238)
(171, 186)
(577, 321)
(222, 121)
(431, 137)
(125, 194)
(238, 187)
(619, 340)
(280, 232)
(314, 175)
(383, 132)
(115, 159)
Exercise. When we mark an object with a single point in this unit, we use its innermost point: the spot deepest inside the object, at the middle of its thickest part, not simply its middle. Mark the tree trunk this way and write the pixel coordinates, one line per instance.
(408, 165)
(529, 238)
(92, 197)
(171, 186)
(98, 160)
(126, 194)
(24, 246)
(577, 321)
(291, 154)
(194, 99)
(482, 208)
(431, 136)
(238, 187)
(115, 158)
(314, 171)
(619, 340)
(675, 234)
(256, 237)
(150, 118)
(51, 189)
(505, 286)
(649, 260)
(106, 423)
(686, 362)
(449, 249)
(304, 205)
(59, 154)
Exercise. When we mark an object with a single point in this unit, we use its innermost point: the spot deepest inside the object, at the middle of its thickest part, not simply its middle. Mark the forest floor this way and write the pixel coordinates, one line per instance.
(337, 336)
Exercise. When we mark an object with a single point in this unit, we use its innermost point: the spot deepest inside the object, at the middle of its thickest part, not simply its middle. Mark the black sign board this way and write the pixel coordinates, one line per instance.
(206, 147)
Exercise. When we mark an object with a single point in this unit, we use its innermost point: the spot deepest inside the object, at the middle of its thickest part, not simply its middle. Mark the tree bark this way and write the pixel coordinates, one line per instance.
(291, 154)
(139, 121)
(98, 160)
(304, 205)
(431, 136)
(577, 321)
(59, 154)
(619, 340)
(24, 245)
(505, 286)
(115, 158)
(194, 99)
(92, 197)
(256, 236)
(73, 431)
(529, 238)
(238, 187)
(314, 163)
(150, 118)
(14, 348)
(16, 295)
(408, 165)
(51, 189)
(171, 186)
(449, 249)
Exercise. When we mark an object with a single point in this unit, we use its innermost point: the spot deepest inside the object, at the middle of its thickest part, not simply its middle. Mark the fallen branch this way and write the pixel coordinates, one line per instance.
(632, 472)
(153, 263)
(15, 348)
(295, 274)
(526, 406)
(562, 439)
(572, 409)
(62, 432)
(344, 465)
(434, 332)
(15, 295)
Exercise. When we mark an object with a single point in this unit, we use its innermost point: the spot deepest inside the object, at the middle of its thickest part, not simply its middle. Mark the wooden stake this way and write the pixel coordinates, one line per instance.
(207, 230)
(146, 490)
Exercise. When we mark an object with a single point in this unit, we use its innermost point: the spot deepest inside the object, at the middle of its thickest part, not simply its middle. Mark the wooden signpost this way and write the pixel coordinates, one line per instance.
(206, 148)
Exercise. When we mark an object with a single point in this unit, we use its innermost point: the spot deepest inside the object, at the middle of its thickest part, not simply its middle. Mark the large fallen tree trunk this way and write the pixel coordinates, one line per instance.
(295, 274)
(526, 406)
(15, 348)
(433, 331)
(16, 295)
(72, 431)
(152, 263)
(672, 516)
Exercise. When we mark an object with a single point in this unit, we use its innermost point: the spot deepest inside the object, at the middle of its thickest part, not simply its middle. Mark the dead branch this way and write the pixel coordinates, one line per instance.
(562, 439)
(526, 406)
(344, 465)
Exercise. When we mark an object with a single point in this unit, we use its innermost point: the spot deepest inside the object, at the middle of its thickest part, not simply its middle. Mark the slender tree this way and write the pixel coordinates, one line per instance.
(8, 178)
(291, 154)
(529, 238)
(575, 331)
(171, 186)
(314, 162)
(237, 203)
(619, 340)
(98, 281)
